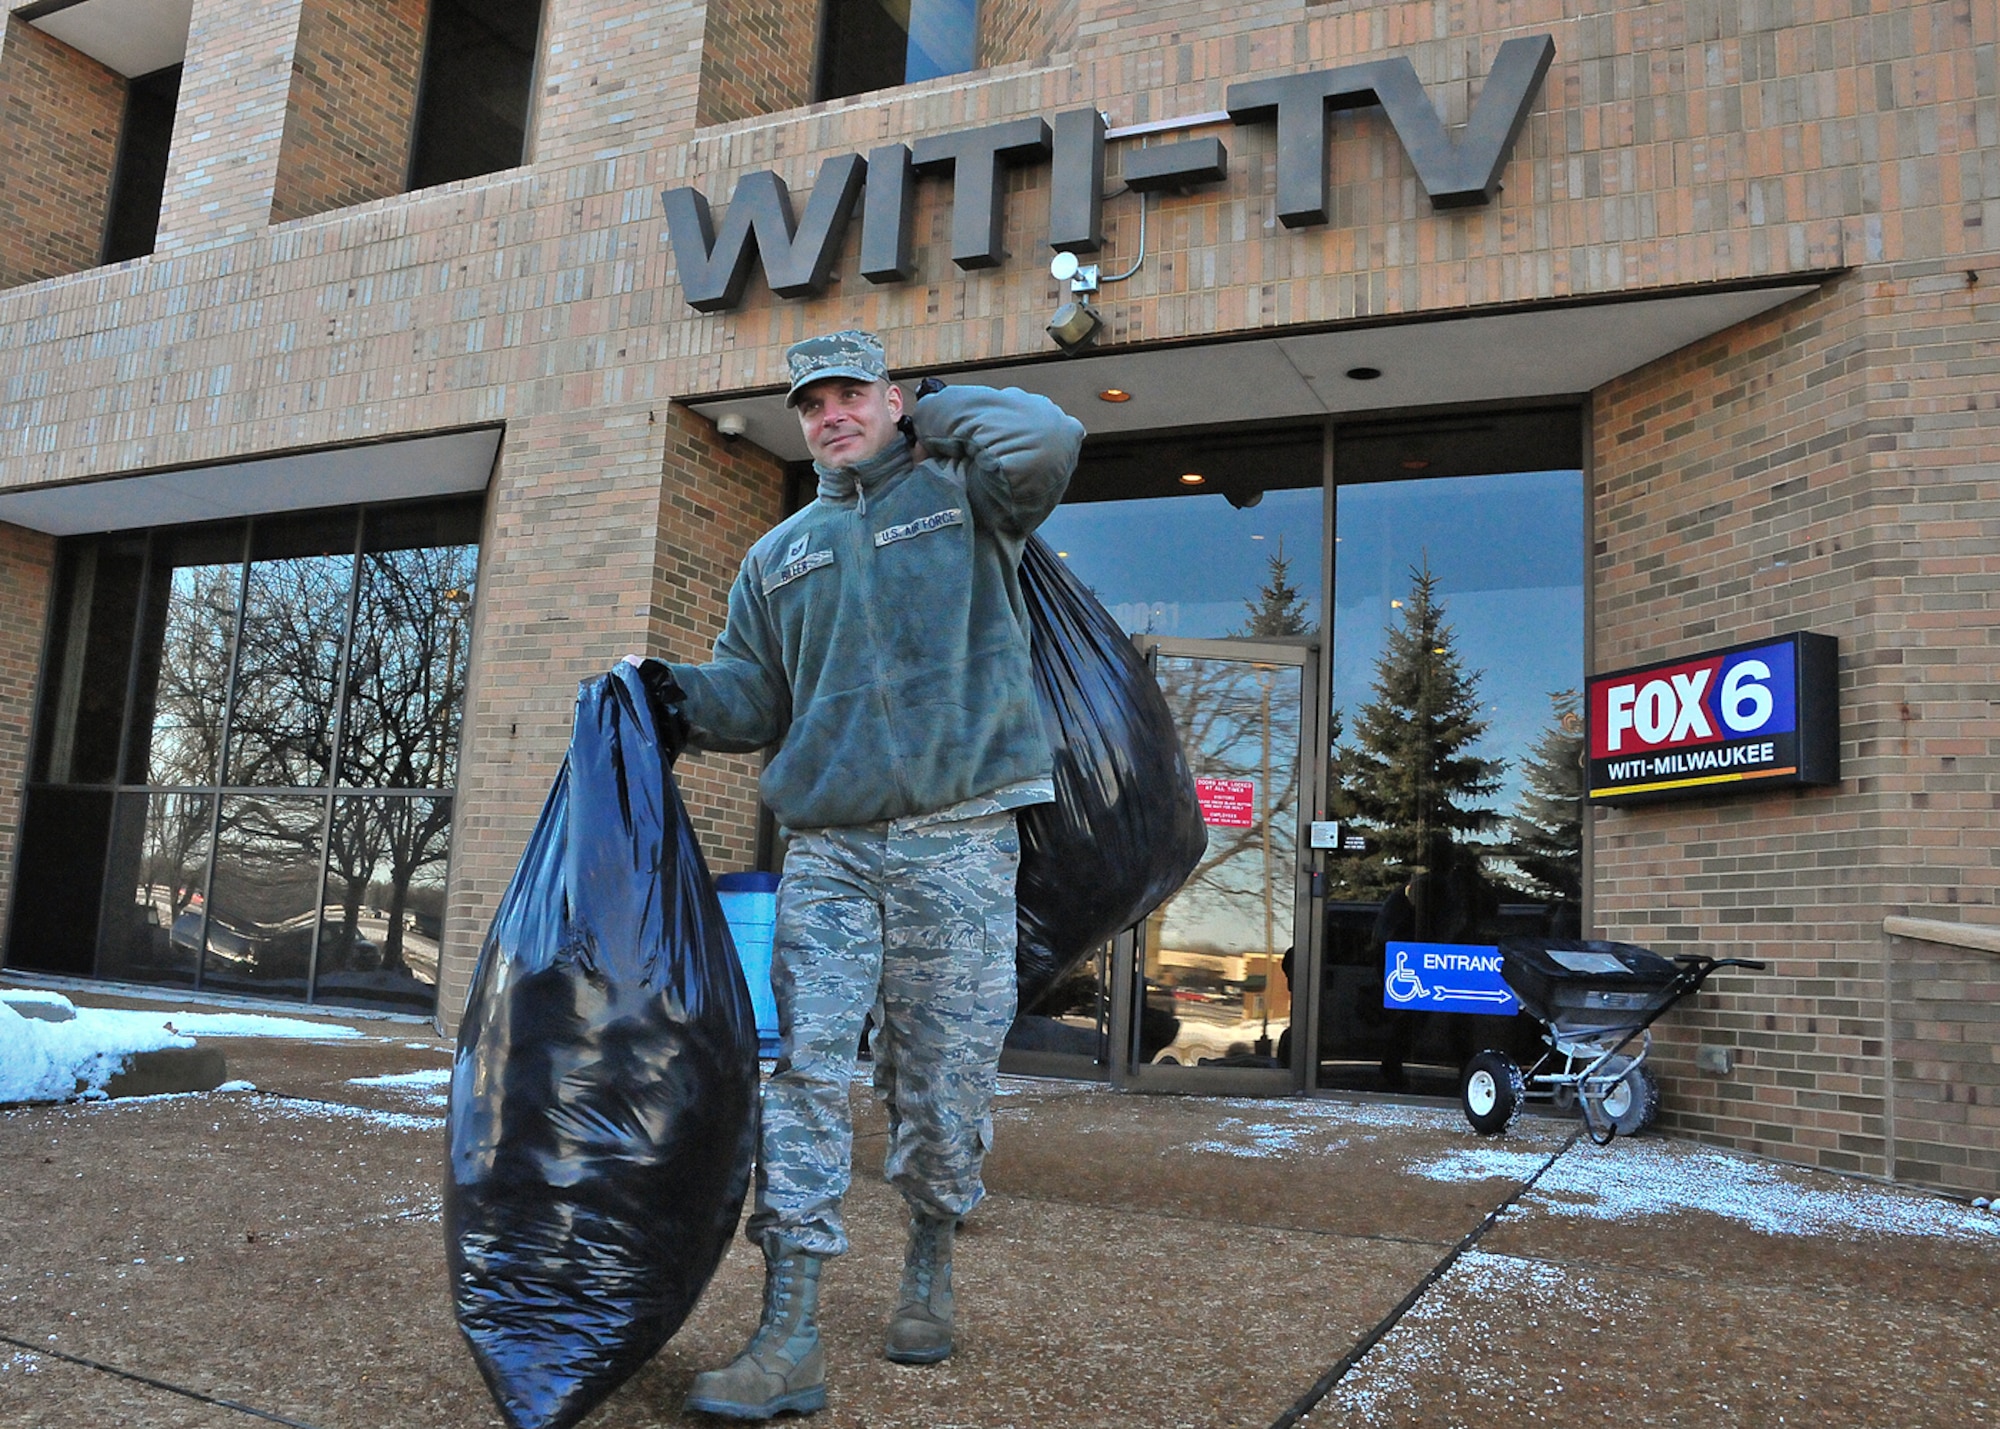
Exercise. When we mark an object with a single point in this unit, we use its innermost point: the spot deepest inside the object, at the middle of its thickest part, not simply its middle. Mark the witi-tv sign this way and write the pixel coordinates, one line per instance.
(1752, 716)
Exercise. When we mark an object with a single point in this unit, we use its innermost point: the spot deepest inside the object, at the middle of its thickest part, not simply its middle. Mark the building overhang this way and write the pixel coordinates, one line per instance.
(396, 470)
(1545, 351)
(130, 37)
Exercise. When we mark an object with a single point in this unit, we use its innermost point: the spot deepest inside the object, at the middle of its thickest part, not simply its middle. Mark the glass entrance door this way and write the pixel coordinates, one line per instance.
(1454, 775)
(1203, 989)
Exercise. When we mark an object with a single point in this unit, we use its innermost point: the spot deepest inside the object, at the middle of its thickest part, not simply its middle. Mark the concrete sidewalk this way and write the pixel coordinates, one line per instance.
(240, 1257)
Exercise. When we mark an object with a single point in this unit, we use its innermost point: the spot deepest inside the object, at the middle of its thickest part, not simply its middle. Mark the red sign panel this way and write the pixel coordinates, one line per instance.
(1227, 803)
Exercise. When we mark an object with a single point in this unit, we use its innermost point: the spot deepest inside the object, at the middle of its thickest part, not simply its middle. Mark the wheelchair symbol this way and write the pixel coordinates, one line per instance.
(1403, 984)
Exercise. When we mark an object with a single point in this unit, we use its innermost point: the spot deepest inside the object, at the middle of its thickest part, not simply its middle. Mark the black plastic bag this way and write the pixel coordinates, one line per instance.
(1125, 829)
(604, 1096)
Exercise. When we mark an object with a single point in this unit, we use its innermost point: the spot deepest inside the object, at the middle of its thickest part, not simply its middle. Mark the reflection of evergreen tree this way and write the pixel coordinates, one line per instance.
(1280, 609)
(1410, 780)
(1546, 832)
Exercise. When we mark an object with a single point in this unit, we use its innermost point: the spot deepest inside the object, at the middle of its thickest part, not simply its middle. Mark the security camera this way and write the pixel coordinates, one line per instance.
(730, 425)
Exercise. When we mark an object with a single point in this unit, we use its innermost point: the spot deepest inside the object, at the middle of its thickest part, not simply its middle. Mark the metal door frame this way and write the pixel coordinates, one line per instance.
(1127, 1072)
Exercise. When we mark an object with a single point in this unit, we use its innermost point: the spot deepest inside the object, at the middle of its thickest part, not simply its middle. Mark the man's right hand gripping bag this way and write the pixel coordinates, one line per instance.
(1125, 829)
(604, 1097)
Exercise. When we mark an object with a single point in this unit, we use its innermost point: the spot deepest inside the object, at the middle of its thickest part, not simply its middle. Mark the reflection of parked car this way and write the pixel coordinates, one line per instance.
(1195, 1042)
(273, 951)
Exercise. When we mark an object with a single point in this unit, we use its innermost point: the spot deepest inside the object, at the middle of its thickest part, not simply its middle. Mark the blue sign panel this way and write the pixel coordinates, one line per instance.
(1445, 977)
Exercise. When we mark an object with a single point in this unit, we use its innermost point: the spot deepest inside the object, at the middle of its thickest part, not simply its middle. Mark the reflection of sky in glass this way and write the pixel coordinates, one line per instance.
(1507, 552)
(1183, 566)
(941, 38)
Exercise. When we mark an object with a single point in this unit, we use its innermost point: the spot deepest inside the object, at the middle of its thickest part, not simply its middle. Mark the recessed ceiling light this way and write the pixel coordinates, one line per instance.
(1114, 394)
(1364, 374)
(1192, 478)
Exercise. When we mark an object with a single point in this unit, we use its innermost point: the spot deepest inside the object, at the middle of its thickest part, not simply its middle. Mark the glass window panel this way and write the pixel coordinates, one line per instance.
(385, 874)
(264, 901)
(153, 891)
(177, 709)
(1217, 952)
(1199, 566)
(429, 523)
(943, 37)
(83, 693)
(406, 675)
(288, 659)
(60, 875)
(479, 63)
(1457, 652)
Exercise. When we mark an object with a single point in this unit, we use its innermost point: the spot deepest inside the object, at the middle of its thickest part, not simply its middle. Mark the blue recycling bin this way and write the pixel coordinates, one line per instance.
(750, 907)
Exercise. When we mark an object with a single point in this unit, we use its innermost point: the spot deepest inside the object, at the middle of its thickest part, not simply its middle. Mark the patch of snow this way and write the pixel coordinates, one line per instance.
(1630, 1179)
(1627, 1180)
(21, 995)
(426, 1080)
(1428, 1344)
(21, 1363)
(336, 1111)
(251, 1024)
(55, 1061)
(237, 1087)
(1483, 1163)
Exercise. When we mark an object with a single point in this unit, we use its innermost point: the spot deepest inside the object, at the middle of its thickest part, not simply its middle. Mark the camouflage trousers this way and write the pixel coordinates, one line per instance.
(913, 922)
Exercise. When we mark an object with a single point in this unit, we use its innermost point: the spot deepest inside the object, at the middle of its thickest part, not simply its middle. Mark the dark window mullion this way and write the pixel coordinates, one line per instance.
(223, 753)
(343, 668)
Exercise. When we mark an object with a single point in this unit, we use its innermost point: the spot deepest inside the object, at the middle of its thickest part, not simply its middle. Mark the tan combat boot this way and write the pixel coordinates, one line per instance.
(920, 1332)
(782, 1369)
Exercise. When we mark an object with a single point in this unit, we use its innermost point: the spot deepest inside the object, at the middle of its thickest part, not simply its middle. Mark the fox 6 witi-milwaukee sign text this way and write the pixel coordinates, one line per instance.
(1750, 717)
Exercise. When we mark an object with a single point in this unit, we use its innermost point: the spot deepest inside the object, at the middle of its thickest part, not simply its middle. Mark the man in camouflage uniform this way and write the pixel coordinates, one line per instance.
(878, 639)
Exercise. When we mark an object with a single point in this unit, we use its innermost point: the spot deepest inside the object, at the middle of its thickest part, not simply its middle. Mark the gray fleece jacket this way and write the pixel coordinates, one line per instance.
(878, 636)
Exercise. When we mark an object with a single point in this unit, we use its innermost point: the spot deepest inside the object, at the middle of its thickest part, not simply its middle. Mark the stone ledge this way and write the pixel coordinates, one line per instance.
(1975, 936)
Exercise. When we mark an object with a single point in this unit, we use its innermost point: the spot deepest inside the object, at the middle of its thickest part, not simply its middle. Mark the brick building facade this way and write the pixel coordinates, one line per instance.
(1830, 462)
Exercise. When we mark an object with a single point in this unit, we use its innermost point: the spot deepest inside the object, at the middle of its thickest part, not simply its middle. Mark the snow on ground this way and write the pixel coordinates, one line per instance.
(307, 1111)
(1629, 1179)
(1482, 1300)
(55, 1061)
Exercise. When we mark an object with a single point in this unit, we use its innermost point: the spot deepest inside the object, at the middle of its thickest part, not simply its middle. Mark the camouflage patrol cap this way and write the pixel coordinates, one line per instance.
(852, 353)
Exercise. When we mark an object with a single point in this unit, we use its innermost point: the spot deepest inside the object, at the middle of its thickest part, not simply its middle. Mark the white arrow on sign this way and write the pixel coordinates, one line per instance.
(1474, 994)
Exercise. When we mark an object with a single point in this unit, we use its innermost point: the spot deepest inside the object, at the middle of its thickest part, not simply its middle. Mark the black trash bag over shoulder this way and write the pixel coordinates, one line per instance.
(604, 1095)
(1125, 829)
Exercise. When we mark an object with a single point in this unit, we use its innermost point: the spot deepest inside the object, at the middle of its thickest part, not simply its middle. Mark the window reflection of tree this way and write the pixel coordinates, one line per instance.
(266, 884)
(287, 670)
(188, 697)
(1240, 721)
(406, 687)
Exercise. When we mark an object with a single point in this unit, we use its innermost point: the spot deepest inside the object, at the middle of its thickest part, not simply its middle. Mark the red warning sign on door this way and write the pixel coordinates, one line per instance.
(1227, 803)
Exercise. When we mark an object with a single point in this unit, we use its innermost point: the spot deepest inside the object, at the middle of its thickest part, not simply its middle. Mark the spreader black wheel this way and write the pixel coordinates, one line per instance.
(1631, 1104)
(1491, 1090)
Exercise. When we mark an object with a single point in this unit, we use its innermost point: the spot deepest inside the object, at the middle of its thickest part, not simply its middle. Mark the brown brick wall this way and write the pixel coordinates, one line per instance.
(1025, 31)
(1946, 1026)
(756, 58)
(353, 101)
(27, 559)
(235, 81)
(60, 113)
(716, 499)
(1824, 468)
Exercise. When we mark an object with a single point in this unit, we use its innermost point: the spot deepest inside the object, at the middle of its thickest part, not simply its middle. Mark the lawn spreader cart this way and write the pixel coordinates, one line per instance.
(1595, 1000)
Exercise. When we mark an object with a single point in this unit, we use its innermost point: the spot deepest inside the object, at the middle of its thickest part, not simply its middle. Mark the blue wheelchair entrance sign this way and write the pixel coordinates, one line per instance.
(1445, 977)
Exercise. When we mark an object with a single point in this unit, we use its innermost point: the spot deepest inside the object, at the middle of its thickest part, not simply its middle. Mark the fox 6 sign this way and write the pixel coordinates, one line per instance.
(1748, 717)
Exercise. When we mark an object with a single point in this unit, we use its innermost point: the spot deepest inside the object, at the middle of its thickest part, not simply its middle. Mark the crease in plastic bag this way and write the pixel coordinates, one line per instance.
(1125, 829)
(604, 1095)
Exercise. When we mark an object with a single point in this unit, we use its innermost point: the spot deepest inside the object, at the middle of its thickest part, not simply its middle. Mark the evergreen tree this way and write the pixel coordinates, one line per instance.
(1281, 608)
(1410, 780)
(1546, 832)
